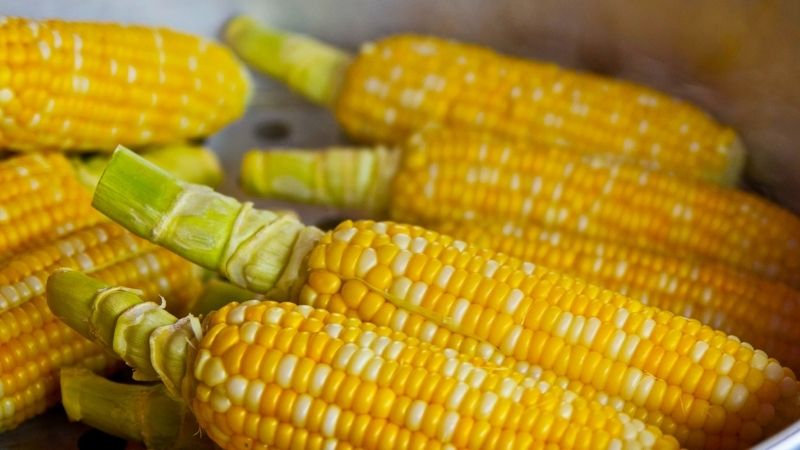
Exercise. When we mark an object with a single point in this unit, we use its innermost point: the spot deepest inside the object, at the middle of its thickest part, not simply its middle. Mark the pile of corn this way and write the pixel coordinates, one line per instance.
(555, 259)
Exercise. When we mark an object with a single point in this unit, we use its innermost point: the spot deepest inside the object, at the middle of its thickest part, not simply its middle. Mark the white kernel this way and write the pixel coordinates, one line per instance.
(528, 268)
(400, 263)
(344, 355)
(774, 371)
(620, 317)
(443, 278)
(415, 414)
(614, 346)
(417, 293)
(448, 426)
(400, 287)
(213, 372)
(563, 324)
(236, 388)
(759, 360)
(330, 420)
(698, 350)
(401, 240)
(418, 244)
(725, 364)
(345, 235)
(399, 319)
(721, 390)
(359, 361)
(318, 377)
(629, 347)
(131, 74)
(736, 398)
(459, 310)
(367, 260)
(248, 331)
(372, 370)
(510, 341)
(252, 398)
(300, 411)
(219, 401)
(394, 349)
(285, 371)
(486, 405)
(490, 267)
(513, 301)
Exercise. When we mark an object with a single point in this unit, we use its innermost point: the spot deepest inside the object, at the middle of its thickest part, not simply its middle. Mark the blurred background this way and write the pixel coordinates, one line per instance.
(738, 59)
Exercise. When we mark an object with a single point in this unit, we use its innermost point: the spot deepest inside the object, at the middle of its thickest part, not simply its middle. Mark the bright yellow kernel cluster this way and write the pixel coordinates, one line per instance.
(34, 344)
(91, 86)
(282, 375)
(700, 385)
(40, 199)
(400, 84)
(756, 310)
(461, 175)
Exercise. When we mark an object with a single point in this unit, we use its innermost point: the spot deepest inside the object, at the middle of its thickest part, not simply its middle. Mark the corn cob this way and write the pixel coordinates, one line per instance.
(40, 200)
(34, 345)
(269, 374)
(141, 413)
(758, 311)
(446, 175)
(88, 86)
(702, 386)
(400, 84)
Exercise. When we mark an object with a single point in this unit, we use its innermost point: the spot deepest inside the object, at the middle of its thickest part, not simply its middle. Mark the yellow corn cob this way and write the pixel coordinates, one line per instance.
(761, 312)
(90, 86)
(40, 199)
(701, 385)
(279, 375)
(398, 85)
(34, 345)
(446, 175)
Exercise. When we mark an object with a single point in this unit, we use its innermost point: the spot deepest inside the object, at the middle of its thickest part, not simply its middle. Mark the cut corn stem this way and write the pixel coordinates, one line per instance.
(190, 163)
(249, 247)
(338, 176)
(308, 66)
(142, 413)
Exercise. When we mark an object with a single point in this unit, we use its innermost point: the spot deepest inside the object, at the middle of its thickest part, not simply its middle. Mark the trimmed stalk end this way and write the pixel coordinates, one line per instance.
(310, 67)
(135, 192)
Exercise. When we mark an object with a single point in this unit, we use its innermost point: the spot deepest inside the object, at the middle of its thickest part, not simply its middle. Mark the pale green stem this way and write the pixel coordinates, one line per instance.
(259, 250)
(142, 413)
(156, 344)
(338, 176)
(310, 67)
(193, 164)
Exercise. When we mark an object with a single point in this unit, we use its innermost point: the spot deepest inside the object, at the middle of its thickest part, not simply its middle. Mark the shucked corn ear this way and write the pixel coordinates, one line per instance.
(34, 344)
(400, 84)
(464, 175)
(758, 311)
(90, 86)
(280, 375)
(704, 387)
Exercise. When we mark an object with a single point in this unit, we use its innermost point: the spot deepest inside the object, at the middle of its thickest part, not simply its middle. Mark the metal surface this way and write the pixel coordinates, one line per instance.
(739, 59)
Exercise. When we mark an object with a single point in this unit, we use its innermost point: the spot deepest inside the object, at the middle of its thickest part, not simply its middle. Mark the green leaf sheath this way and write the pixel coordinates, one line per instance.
(310, 67)
(149, 339)
(260, 250)
(337, 176)
(142, 413)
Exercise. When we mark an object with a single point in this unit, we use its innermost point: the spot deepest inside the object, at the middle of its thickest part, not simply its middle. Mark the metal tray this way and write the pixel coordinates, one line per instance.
(739, 60)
